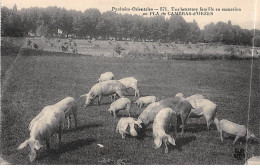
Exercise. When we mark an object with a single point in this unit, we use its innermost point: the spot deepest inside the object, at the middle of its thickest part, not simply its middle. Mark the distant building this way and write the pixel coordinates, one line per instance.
(31, 34)
(60, 32)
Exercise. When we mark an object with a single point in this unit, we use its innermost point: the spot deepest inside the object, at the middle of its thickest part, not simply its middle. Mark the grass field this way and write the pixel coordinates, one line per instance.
(10, 47)
(39, 80)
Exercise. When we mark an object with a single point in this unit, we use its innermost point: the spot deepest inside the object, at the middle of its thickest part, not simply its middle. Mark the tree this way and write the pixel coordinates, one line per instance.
(237, 35)
(91, 23)
(42, 30)
(14, 8)
(11, 22)
(246, 37)
(178, 28)
(210, 32)
(5, 12)
(136, 31)
(194, 32)
(257, 41)
(66, 22)
(107, 24)
(29, 18)
(78, 25)
(91, 18)
(157, 28)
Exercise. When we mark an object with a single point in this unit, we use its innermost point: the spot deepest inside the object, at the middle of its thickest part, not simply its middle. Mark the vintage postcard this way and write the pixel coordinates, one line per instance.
(130, 82)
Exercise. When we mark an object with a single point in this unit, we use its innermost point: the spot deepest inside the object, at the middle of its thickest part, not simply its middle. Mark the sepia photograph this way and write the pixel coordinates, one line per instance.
(130, 82)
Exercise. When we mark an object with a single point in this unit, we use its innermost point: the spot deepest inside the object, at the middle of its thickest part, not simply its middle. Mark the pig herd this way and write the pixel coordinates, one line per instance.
(163, 115)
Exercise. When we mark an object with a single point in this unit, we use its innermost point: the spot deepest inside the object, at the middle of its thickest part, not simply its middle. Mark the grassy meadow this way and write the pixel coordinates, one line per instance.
(10, 48)
(40, 78)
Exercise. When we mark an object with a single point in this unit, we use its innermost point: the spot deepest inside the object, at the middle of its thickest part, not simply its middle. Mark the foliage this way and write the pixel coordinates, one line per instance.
(257, 41)
(60, 22)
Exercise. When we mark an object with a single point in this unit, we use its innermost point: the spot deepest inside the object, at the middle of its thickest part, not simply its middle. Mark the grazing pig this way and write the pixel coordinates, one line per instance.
(64, 48)
(195, 97)
(164, 120)
(234, 129)
(110, 43)
(179, 95)
(149, 113)
(34, 45)
(145, 100)
(105, 88)
(28, 42)
(120, 104)
(206, 108)
(125, 123)
(130, 82)
(254, 160)
(106, 76)
(50, 122)
(203, 107)
(181, 106)
(67, 105)
(191, 98)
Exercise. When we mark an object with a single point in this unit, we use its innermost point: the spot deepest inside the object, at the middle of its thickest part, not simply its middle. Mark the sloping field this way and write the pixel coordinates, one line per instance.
(38, 81)
(10, 47)
(152, 50)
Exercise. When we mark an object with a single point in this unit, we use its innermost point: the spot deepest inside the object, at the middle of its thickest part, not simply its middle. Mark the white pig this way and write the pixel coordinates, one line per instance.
(120, 104)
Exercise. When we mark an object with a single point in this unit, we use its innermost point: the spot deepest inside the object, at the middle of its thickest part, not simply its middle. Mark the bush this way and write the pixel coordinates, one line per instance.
(257, 41)
(11, 46)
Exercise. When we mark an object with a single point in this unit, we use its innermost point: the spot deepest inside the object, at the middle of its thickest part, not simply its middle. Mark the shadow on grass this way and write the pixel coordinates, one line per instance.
(104, 103)
(143, 136)
(179, 143)
(140, 137)
(125, 114)
(149, 129)
(254, 142)
(182, 142)
(82, 127)
(66, 147)
(240, 140)
(94, 104)
(71, 146)
(195, 128)
(143, 95)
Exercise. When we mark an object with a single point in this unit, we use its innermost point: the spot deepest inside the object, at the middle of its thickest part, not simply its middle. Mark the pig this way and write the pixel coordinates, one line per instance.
(120, 104)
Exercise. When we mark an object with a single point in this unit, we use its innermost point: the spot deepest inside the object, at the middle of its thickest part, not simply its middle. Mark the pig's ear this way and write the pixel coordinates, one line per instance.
(138, 123)
(158, 143)
(91, 95)
(179, 95)
(171, 140)
(140, 126)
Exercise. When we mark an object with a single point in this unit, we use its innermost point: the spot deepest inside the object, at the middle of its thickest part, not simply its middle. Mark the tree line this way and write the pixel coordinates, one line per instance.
(60, 22)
